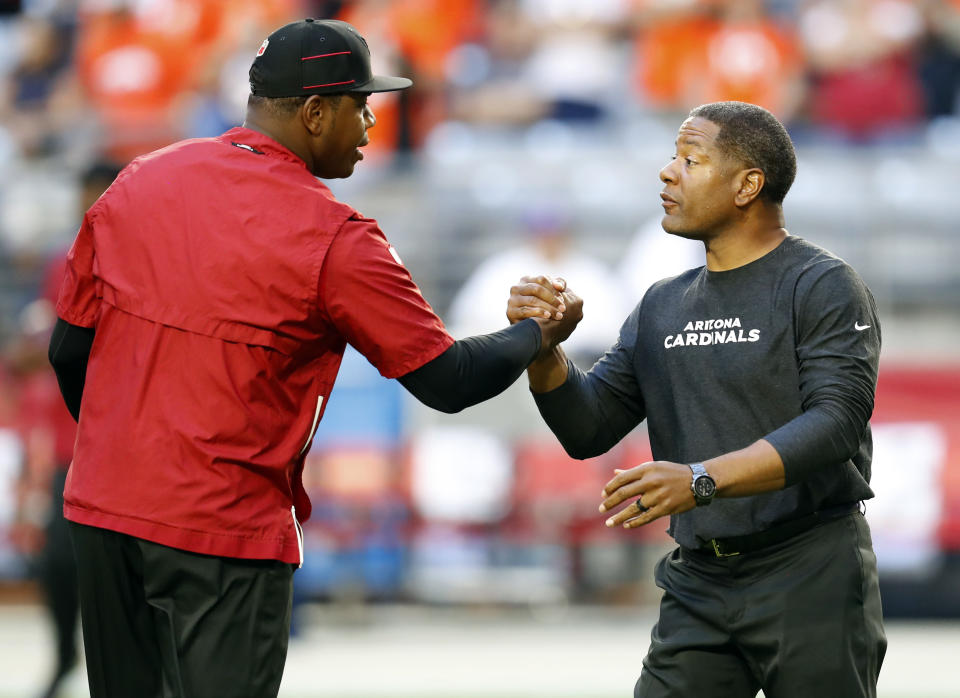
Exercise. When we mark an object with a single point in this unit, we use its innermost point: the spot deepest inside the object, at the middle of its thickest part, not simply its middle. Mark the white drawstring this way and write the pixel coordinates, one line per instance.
(299, 530)
(313, 427)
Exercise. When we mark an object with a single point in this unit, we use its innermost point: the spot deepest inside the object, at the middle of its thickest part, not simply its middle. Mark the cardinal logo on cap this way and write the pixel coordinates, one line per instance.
(263, 47)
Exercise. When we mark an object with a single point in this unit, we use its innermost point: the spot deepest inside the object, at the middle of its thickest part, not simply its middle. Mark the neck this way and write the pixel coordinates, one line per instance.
(746, 241)
(277, 131)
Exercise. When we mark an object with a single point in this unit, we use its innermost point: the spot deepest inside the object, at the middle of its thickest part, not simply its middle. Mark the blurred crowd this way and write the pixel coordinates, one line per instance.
(87, 78)
(483, 506)
(83, 80)
(87, 85)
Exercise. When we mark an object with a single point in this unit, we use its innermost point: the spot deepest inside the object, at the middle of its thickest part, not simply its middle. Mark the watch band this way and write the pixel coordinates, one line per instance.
(703, 486)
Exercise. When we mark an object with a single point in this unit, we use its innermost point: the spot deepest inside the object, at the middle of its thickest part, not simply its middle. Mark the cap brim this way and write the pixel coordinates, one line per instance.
(383, 83)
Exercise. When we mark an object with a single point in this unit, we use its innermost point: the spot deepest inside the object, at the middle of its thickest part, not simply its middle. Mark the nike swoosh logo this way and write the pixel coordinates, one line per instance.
(860, 328)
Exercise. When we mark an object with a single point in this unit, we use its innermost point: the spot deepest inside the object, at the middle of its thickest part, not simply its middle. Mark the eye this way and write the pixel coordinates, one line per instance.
(689, 161)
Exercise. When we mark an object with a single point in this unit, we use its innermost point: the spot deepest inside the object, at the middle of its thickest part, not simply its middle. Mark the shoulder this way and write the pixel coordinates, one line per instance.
(816, 266)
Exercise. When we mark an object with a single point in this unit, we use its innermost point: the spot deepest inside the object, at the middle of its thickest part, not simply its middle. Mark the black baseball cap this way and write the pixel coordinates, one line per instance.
(316, 57)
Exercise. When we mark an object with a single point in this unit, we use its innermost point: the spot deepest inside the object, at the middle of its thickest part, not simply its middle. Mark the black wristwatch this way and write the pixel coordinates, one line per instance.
(703, 486)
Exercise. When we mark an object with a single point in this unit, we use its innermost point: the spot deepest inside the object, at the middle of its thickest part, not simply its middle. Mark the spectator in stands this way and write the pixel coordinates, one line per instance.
(137, 60)
(419, 37)
(752, 58)
(575, 64)
(218, 98)
(37, 98)
(860, 55)
(669, 51)
(940, 57)
(549, 244)
(547, 241)
(487, 83)
(716, 50)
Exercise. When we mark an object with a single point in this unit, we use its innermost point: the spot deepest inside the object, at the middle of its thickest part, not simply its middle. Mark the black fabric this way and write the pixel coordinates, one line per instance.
(785, 348)
(69, 352)
(752, 542)
(165, 623)
(475, 369)
(783, 620)
(316, 56)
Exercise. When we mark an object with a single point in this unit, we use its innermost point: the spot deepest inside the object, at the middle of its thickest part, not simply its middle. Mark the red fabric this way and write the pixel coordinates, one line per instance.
(929, 394)
(223, 284)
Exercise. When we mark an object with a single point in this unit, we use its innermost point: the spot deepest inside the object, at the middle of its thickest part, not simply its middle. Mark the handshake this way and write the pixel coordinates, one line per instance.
(547, 301)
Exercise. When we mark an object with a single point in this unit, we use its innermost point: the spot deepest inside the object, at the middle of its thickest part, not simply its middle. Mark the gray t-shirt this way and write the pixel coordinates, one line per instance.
(784, 348)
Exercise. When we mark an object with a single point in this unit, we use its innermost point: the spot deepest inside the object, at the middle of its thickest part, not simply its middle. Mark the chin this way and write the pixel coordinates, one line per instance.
(334, 174)
(675, 228)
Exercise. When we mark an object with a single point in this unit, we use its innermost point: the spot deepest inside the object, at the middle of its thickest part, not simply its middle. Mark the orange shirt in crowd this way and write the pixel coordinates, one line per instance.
(668, 56)
(756, 62)
(135, 63)
(685, 58)
(417, 36)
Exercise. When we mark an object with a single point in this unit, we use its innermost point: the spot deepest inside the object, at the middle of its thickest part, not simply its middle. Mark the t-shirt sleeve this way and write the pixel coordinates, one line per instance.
(370, 297)
(591, 412)
(79, 299)
(838, 350)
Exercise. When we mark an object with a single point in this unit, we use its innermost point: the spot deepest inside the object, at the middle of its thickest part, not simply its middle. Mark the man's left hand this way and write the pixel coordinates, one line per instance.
(654, 489)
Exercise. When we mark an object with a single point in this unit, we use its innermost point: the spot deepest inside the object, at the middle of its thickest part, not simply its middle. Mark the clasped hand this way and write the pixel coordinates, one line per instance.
(548, 301)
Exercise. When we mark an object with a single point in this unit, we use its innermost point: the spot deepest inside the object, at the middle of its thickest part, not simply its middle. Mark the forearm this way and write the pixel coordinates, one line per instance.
(587, 418)
(751, 470)
(474, 369)
(827, 434)
(548, 372)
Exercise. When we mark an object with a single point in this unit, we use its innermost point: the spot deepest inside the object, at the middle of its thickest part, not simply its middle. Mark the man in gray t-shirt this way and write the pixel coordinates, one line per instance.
(756, 375)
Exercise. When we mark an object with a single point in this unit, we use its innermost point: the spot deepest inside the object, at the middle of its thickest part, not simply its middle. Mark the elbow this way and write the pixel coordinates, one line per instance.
(848, 425)
(850, 446)
(445, 406)
(581, 451)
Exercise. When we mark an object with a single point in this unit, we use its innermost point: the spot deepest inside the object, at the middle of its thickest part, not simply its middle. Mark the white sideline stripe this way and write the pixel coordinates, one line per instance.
(313, 428)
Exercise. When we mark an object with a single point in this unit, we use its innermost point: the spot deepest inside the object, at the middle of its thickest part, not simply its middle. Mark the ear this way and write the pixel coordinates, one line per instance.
(751, 184)
(315, 114)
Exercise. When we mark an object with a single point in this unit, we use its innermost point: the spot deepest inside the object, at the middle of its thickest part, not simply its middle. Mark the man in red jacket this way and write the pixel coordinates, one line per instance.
(208, 299)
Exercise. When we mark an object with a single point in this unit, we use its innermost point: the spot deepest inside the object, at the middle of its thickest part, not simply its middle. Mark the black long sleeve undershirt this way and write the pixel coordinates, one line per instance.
(68, 353)
(470, 371)
(474, 369)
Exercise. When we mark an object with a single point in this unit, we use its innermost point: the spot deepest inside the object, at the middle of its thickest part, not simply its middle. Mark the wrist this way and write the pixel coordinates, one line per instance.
(548, 370)
(702, 484)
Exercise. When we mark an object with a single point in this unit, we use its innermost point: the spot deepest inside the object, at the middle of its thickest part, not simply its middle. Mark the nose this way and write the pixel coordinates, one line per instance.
(368, 116)
(667, 173)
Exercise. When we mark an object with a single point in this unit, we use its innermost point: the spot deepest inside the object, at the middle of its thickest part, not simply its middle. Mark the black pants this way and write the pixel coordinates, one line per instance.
(799, 619)
(57, 574)
(166, 623)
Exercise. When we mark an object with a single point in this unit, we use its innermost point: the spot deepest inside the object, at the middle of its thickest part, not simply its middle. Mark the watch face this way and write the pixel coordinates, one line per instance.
(704, 486)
